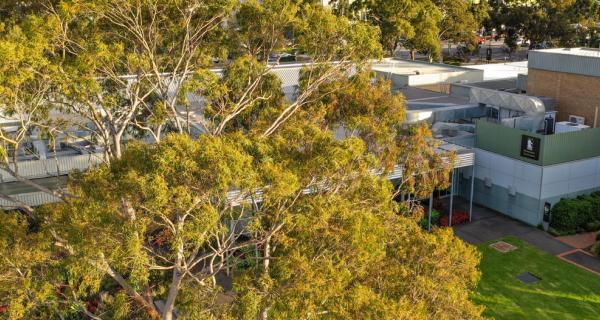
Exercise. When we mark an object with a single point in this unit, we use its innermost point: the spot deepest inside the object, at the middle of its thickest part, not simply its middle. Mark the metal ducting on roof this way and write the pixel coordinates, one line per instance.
(531, 106)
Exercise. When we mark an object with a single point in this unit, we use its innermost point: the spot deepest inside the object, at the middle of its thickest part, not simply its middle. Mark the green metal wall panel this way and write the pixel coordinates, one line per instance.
(571, 146)
(554, 149)
(505, 141)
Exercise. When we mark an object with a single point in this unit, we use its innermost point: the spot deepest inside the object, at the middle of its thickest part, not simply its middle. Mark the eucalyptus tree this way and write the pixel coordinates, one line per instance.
(550, 21)
(413, 24)
(302, 222)
(26, 82)
(298, 221)
(124, 62)
(394, 18)
(458, 23)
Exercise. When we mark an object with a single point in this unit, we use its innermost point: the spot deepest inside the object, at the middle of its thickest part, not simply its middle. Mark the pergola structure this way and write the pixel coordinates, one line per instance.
(465, 158)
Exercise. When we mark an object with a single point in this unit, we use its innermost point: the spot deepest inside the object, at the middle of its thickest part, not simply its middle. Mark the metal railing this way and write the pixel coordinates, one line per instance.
(52, 167)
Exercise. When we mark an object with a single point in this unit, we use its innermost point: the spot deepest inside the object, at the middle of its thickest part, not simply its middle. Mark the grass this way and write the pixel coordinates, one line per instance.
(565, 291)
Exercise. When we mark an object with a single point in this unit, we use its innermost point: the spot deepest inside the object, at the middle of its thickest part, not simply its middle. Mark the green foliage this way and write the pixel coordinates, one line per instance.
(421, 25)
(540, 21)
(268, 198)
(413, 21)
(592, 226)
(435, 220)
(457, 23)
(29, 281)
(358, 283)
(574, 215)
(596, 248)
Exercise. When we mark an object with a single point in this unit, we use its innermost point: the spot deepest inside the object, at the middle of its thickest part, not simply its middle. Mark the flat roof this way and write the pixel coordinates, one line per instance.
(496, 71)
(501, 84)
(582, 52)
(409, 67)
(419, 95)
(582, 61)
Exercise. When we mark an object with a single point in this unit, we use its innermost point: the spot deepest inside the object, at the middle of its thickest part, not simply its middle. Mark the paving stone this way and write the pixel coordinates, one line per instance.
(584, 259)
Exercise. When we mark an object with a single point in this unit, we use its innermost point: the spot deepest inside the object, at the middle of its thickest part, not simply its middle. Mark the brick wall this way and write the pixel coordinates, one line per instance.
(575, 94)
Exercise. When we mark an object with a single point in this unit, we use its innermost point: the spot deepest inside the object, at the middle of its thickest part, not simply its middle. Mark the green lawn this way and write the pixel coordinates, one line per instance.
(565, 291)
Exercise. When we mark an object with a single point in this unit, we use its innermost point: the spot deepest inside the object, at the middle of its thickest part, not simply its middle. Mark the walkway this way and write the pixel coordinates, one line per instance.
(490, 225)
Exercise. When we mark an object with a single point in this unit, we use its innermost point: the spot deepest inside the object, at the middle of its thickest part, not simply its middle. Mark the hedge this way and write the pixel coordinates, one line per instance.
(570, 216)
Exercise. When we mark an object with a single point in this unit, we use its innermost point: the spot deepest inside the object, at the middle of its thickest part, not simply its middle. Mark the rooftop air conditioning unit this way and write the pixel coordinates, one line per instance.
(566, 126)
(577, 119)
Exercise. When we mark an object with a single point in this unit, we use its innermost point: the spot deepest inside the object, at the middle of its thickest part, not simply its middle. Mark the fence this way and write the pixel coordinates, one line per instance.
(35, 169)
(33, 199)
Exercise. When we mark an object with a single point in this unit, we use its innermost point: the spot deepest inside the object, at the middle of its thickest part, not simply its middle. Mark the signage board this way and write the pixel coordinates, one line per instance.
(530, 147)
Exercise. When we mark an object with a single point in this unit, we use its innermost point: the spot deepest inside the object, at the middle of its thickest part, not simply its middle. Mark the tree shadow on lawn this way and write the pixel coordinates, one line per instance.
(516, 303)
(565, 291)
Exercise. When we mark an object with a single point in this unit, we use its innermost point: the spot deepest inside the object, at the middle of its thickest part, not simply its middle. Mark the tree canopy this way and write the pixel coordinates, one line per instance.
(421, 25)
(563, 23)
(221, 197)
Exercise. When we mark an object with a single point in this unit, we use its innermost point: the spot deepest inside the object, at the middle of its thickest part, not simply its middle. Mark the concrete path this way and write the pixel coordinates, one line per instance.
(580, 241)
(489, 225)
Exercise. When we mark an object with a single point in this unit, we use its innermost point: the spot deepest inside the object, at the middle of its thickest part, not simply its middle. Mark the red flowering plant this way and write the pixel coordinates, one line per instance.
(458, 217)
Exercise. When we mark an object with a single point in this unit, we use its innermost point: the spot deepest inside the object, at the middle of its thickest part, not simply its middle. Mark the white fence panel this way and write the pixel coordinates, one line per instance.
(35, 169)
(33, 199)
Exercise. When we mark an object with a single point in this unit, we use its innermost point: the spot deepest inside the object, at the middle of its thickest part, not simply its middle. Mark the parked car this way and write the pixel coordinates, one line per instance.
(280, 57)
(523, 42)
(539, 46)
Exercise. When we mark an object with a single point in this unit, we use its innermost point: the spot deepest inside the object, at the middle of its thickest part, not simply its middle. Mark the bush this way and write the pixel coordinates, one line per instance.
(596, 249)
(574, 215)
(555, 233)
(597, 236)
(435, 219)
(592, 226)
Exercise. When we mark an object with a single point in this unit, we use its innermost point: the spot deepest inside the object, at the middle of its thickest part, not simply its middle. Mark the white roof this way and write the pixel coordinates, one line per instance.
(409, 67)
(582, 52)
(496, 71)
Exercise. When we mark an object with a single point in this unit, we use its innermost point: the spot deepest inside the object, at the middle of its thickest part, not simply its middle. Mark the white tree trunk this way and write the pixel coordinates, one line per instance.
(173, 291)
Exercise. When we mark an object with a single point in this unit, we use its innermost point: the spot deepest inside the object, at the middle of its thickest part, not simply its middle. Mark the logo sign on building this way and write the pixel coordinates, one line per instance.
(530, 147)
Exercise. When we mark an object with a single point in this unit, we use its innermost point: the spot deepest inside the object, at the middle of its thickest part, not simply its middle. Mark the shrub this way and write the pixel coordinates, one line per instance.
(571, 215)
(592, 226)
(596, 248)
(597, 236)
(458, 217)
(435, 219)
(555, 233)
